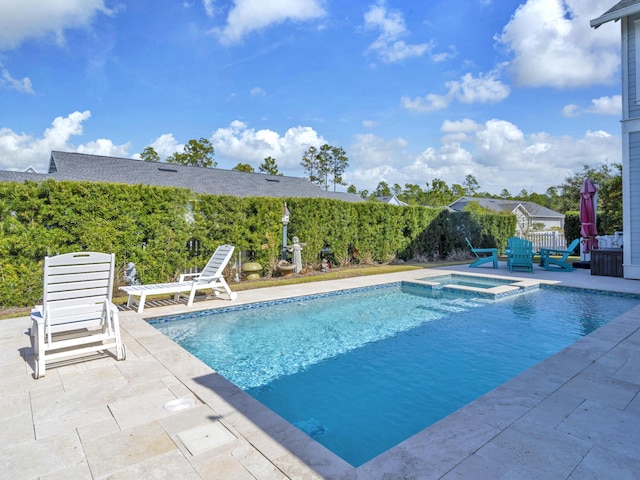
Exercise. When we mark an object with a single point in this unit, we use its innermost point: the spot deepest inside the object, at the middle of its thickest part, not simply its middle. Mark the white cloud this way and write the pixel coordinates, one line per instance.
(482, 89)
(209, 7)
(599, 106)
(553, 44)
(469, 89)
(23, 19)
(239, 143)
(442, 56)
(7, 81)
(104, 146)
(571, 110)
(19, 150)
(606, 105)
(429, 103)
(166, 145)
(247, 16)
(257, 92)
(496, 152)
(388, 45)
(371, 150)
(456, 126)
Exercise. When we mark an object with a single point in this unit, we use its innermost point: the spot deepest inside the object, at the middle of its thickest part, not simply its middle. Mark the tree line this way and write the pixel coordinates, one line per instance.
(562, 198)
(326, 165)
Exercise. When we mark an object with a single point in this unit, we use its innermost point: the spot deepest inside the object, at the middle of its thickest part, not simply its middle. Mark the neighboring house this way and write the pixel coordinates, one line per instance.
(214, 181)
(529, 215)
(628, 12)
(392, 200)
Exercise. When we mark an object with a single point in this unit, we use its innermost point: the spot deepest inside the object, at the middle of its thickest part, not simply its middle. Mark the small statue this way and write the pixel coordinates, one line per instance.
(296, 249)
(324, 265)
(130, 274)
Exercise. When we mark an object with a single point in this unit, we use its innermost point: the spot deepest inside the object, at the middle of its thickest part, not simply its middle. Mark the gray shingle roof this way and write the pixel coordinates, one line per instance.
(95, 168)
(624, 8)
(499, 205)
(11, 176)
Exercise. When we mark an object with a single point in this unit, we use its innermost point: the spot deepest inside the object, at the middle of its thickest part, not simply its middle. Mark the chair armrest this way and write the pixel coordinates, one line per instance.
(551, 251)
(206, 279)
(37, 313)
(182, 277)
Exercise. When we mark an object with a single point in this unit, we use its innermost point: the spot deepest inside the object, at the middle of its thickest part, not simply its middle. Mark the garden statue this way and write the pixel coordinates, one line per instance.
(130, 274)
(296, 249)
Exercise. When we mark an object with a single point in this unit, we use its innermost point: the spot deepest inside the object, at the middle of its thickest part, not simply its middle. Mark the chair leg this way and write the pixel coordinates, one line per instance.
(40, 366)
(192, 296)
(143, 298)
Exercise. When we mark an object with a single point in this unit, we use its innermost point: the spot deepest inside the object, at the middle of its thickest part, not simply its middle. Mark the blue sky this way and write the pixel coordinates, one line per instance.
(518, 94)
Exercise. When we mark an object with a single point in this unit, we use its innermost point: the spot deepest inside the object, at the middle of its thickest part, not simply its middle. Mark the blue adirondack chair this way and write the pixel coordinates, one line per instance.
(520, 254)
(552, 259)
(481, 257)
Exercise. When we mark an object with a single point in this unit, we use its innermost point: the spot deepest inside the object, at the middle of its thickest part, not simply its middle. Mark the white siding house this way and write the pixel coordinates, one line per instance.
(529, 215)
(628, 13)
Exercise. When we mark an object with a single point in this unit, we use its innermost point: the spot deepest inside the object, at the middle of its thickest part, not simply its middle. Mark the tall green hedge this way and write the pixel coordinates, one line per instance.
(166, 231)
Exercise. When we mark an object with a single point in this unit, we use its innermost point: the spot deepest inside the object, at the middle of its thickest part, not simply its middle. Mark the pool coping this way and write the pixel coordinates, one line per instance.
(441, 448)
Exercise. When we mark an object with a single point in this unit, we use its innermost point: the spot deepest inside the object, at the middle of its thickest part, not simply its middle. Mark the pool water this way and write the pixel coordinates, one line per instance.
(469, 281)
(363, 371)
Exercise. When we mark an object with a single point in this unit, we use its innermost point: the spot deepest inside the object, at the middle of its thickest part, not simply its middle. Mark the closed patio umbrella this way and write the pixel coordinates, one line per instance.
(588, 231)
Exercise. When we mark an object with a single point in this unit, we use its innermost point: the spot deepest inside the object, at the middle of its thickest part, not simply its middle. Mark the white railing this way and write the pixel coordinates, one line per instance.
(552, 240)
(610, 241)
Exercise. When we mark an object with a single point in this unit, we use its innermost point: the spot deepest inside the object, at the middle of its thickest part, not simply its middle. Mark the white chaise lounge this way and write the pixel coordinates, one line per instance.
(210, 278)
(77, 316)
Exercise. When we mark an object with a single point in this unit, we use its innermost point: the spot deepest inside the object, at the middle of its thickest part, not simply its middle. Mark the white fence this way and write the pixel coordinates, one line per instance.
(551, 240)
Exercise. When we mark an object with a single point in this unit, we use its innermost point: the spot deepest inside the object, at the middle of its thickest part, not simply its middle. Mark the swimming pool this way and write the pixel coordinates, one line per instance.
(362, 371)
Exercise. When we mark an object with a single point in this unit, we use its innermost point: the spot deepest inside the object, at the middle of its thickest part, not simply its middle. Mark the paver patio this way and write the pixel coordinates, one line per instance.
(575, 416)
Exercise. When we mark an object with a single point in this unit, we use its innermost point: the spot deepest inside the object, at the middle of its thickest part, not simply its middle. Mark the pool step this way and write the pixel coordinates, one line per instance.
(456, 305)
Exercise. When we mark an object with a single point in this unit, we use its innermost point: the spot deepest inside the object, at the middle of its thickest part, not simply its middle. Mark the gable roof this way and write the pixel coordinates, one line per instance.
(392, 200)
(215, 181)
(507, 206)
(624, 8)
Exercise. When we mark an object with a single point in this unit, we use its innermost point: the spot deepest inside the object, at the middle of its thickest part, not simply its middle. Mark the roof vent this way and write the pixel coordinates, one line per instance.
(272, 180)
(165, 169)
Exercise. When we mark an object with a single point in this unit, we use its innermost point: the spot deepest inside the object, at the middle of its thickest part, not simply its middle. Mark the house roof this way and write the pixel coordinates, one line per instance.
(215, 181)
(507, 206)
(624, 8)
(11, 176)
(392, 200)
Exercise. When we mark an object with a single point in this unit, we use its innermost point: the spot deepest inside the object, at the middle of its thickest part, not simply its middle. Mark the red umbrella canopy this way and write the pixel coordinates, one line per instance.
(588, 216)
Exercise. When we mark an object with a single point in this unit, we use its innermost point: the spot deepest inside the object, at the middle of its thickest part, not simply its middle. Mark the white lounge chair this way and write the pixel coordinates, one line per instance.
(76, 316)
(210, 278)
